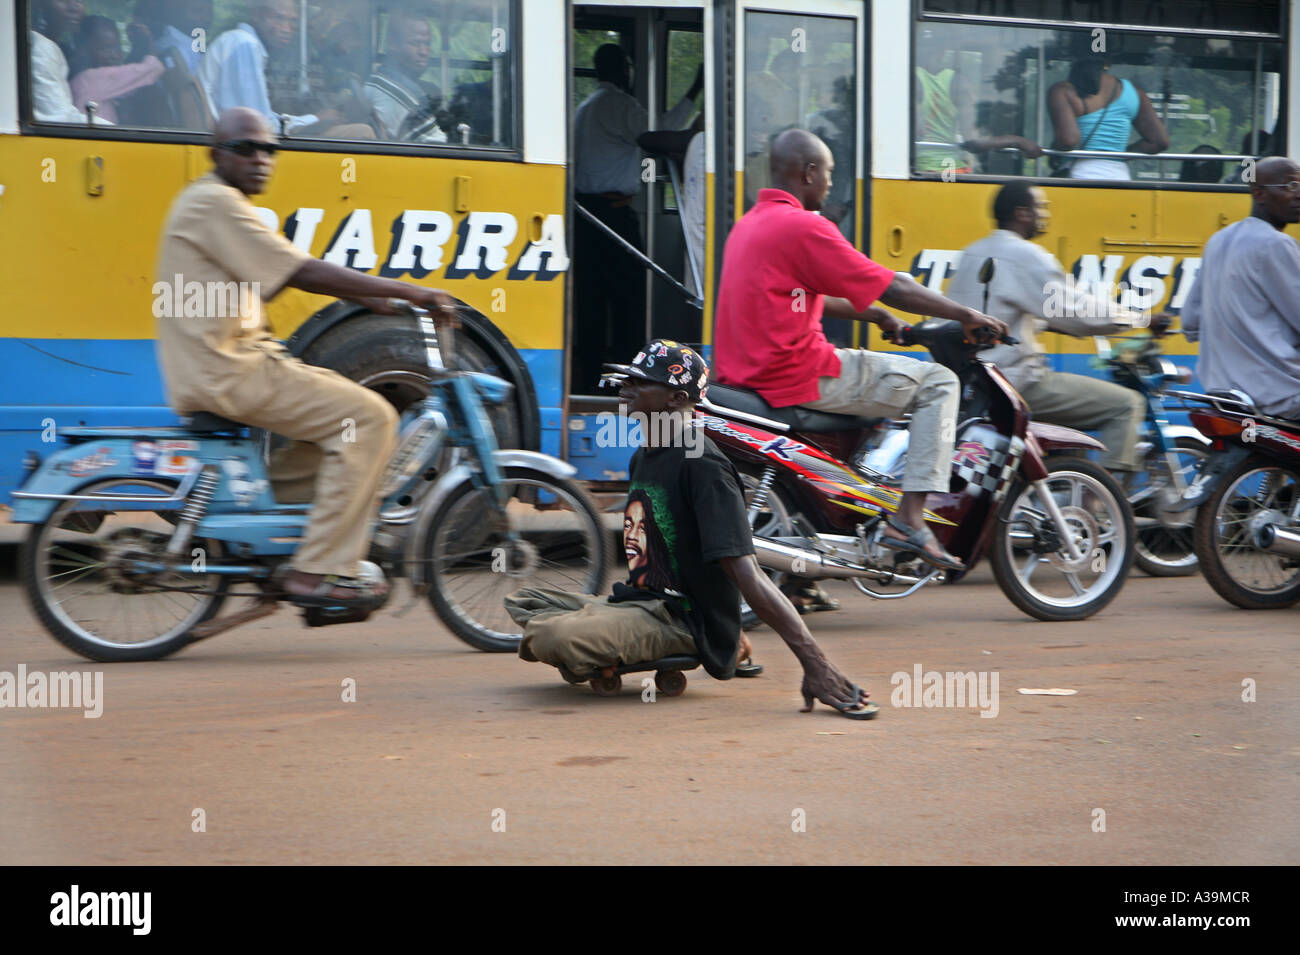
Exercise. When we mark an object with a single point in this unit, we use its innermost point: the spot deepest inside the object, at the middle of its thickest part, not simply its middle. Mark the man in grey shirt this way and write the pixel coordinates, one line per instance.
(1029, 286)
(1245, 303)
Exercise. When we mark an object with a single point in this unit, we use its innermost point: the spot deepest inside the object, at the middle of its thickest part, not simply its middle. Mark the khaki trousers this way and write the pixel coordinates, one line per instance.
(585, 633)
(343, 435)
(883, 385)
(1080, 401)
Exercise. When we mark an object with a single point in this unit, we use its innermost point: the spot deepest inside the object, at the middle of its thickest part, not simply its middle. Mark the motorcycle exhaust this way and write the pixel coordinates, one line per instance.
(809, 563)
(1278, 540)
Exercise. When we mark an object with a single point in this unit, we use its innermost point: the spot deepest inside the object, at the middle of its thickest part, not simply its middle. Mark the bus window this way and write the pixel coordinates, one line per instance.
(989, 96)
(801, 71)
(427, 72)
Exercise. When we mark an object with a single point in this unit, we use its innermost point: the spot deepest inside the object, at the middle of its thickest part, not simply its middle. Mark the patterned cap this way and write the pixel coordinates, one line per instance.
(671, 364)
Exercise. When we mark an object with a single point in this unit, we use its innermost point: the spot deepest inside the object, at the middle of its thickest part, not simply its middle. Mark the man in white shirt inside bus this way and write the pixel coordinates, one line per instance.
(610, 283)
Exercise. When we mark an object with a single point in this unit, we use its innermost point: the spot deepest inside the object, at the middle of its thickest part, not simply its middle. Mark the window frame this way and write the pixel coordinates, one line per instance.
(920, 16)
(27, 126)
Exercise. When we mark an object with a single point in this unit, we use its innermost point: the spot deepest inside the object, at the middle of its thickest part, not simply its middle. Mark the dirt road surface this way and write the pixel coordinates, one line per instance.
(449, 755)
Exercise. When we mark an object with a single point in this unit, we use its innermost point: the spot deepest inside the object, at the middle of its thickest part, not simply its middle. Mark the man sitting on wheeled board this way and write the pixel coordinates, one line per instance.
(690, 556)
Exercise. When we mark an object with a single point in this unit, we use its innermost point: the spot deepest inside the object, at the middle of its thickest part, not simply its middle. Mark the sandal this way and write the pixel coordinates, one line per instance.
(360, 593)
(747, 667)
(810, 598)
(916, 541)
(863, 710)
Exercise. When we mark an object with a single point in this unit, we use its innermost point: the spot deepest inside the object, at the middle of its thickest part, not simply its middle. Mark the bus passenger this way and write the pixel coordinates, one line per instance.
(1030, 286)
(103, 77)
(1093, 110)
(51, 94)
(175, 43)
(230, 365)
(609, 282)
(1244, 306)
(690, 556)
(401, 102)
(233, 72)
(781, 263)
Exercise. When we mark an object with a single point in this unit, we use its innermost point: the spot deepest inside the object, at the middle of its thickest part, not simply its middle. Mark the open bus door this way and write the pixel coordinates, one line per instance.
(633, 278)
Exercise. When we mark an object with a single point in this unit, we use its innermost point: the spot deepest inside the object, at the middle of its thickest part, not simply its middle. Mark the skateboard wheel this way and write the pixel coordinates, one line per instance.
(607, 685)
(568, 675)
(670, 682)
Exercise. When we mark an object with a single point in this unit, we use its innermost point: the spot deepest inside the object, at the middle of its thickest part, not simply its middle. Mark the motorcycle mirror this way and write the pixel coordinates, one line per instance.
(987, 270)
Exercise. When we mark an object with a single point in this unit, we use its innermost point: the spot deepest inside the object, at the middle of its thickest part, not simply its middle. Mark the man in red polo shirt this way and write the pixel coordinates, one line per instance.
(781, 264)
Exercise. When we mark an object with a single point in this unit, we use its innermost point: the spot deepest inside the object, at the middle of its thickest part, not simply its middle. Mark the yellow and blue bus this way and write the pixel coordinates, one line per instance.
(465, 179)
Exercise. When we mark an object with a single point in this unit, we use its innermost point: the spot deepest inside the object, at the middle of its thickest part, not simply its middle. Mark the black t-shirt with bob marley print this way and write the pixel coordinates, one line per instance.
(683, 515)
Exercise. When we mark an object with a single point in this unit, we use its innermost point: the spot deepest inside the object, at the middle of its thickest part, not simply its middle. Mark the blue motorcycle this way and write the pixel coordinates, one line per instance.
(1170, 456)
(140, 535)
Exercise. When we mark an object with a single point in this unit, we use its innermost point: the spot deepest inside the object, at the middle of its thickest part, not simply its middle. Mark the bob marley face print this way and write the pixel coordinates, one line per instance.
(650, 564)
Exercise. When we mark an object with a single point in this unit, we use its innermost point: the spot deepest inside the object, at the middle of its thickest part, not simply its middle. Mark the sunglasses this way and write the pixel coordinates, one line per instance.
(1292, 186)
(246, 147)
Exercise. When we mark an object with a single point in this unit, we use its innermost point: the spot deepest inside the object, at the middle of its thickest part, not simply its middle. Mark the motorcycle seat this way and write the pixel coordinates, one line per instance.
(205, 422)
(735, 398)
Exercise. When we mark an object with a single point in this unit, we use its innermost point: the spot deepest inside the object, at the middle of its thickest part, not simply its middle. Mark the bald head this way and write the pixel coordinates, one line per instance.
(1272, 198)
(801, 165)
(1274, 170)
(240, 122)
(247, 158)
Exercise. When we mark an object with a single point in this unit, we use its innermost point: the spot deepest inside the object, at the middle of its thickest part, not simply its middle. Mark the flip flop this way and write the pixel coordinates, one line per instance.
(859, 711)
(748, 667)
(916, 541)
(818, 601)
(853, 711)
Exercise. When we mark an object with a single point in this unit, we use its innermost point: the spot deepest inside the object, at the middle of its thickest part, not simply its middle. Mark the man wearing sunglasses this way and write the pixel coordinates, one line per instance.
(1245, 303)
(219, 355)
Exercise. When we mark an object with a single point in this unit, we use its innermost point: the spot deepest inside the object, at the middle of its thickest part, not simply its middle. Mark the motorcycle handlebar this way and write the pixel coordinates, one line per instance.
(928, 332)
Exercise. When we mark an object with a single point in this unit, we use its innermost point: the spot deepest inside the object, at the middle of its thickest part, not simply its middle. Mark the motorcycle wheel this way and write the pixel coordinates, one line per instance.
(561, 543)
(1162, 550)
(1098, 515)
(74, 571)
(1255, 492)
(772, 520)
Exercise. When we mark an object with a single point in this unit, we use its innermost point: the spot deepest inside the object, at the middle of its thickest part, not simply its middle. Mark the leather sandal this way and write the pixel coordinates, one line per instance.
(916, 541)
(361, 593)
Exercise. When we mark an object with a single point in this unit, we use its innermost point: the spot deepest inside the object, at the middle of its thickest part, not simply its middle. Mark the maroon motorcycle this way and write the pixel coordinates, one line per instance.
(1056, 525)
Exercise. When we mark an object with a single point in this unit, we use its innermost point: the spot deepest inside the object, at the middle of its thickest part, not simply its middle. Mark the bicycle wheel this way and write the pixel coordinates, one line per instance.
(78, 571)
(551, 536)
(1164, 544)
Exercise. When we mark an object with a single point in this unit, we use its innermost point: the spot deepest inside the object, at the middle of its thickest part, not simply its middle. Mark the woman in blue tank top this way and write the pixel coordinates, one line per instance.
(1094, 110)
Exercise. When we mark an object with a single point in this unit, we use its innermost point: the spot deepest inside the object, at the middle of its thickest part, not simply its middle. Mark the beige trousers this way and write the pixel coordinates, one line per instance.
(883, 385)
(585, 633)
(343, 435)
(1080, 401)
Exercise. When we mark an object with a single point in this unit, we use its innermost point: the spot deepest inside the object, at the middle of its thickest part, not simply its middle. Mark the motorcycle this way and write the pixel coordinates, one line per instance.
(1058, 529)
(1247, 501)
(140, 535)
(1170, 455)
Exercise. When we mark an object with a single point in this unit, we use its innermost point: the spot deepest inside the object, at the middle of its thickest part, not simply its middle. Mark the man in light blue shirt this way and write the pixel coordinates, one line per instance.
(177, 42)
(233, 71)
(1244, 306)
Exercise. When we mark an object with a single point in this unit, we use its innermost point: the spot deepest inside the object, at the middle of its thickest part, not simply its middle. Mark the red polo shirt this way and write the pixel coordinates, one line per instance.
(779, 262)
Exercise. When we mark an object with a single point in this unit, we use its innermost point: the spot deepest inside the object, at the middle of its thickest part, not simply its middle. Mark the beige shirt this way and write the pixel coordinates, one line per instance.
(217, 264)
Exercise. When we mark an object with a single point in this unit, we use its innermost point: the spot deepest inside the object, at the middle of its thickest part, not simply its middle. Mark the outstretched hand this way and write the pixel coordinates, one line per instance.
(822, 681)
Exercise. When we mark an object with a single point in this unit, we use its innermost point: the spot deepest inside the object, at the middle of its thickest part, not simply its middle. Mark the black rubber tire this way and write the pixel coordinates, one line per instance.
(1207, 551)
(472, 633)
(374, 346)
(100, 653)
(670, 682)
(606, 685)
(1005, 573)
(1155, 568)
